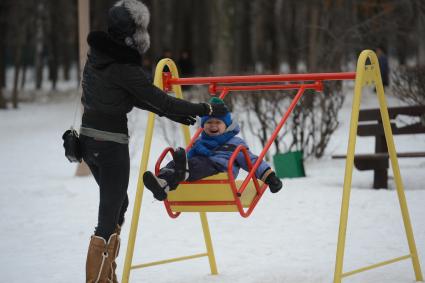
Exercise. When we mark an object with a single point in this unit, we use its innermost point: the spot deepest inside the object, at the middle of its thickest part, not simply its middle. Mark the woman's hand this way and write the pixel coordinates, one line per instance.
(185, 119)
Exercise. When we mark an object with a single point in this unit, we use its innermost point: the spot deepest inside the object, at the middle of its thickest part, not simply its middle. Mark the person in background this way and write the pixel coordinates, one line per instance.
(383, 66)
(113, 83)
(208, 156)
(185, 64)
(166, 54)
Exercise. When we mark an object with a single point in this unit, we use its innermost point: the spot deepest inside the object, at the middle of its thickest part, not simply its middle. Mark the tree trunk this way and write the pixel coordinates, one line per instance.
(181, 35)
(24, 75)
(421, 39)
(155, 30)
(4, 8)
(83, 30)
(242, 47)
(279, 31)
(68, 39)
(271, 56)
(201, 43)
(313, 38)
(18, 44)
(17, 63)
(53, 42)
(222, 23)
(257, 35)
(39, 43)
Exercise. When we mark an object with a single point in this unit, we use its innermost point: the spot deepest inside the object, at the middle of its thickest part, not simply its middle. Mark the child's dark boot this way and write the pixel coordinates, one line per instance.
(275, 184)
(156, 185)
(181, 166)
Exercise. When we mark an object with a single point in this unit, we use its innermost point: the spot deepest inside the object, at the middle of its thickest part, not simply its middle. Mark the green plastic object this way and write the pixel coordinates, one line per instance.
(289, 164)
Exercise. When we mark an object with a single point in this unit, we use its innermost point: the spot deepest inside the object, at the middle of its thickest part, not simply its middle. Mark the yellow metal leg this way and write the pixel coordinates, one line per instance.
(398, 181)
(366, 75)
(140, 187)
(138, 199)
(208, 242)
(348, 178)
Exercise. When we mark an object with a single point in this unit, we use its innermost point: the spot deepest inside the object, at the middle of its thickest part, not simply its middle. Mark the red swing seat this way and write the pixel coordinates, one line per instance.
(221, 192)
(218, 193)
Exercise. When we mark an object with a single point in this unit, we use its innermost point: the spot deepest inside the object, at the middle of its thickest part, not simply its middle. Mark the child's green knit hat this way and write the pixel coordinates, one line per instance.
(227, 118)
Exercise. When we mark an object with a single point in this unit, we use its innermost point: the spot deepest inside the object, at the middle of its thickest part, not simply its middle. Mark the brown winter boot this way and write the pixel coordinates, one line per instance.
(99, 259)
(113, 277)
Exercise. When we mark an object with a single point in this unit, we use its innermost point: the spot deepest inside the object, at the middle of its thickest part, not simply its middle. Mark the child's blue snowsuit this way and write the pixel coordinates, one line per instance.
(210, 155)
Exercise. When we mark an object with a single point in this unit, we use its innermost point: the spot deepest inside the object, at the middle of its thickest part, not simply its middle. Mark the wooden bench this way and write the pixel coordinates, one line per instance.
(379, 161)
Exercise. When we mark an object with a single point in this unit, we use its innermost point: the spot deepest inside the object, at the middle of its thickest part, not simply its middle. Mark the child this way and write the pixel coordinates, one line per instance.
(208, 156)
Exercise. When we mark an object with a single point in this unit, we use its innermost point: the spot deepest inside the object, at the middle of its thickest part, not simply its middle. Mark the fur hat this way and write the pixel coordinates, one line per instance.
(227, 118)
(128, 22)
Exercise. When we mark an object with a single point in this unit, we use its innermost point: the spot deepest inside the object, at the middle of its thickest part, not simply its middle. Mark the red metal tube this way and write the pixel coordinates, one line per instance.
(316, 86)
(200, 182)
(161, 157)
(195, 203)
(259, 78)
(169, 211)
(274, 135)
(260, 190)
(157, 168)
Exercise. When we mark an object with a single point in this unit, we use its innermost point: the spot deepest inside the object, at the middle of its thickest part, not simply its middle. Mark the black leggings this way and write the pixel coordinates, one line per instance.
(199, 168)
(109, 163)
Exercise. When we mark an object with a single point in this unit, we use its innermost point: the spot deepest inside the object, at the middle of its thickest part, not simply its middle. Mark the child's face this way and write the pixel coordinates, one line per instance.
(214, 127)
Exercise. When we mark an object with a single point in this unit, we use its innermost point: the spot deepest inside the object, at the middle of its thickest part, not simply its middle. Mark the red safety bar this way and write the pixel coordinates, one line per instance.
(224, 85)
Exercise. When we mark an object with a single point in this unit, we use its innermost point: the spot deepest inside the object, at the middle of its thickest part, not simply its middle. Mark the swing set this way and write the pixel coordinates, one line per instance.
(222, 193)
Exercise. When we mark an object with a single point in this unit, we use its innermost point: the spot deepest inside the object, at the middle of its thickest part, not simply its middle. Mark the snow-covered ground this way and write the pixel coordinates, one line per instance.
(47, 215)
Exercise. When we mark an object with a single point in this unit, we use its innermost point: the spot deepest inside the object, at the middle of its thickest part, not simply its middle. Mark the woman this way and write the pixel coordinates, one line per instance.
(113, 83)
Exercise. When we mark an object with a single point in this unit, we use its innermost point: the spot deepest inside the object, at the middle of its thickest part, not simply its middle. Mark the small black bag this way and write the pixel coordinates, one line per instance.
(71, 143)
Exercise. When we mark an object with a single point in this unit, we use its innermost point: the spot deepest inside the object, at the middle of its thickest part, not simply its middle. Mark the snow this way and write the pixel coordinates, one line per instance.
(48, 215)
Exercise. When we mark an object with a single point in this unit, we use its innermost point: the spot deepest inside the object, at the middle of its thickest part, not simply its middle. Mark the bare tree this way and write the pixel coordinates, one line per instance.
(19, 9)
(40, 27)
(201, 39)
(242, 55)
(264, 110)
(420, 8)
(408, 84)
(4, 10)
(68, 40)
(315, 118)
(222, 32)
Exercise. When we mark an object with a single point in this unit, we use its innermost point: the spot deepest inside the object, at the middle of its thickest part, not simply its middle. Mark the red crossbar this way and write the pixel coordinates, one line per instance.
(260, 78)
(213, 81)
(318, 86)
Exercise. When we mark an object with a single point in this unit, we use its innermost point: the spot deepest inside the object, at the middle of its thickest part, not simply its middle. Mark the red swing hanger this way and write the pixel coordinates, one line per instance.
(224, 85)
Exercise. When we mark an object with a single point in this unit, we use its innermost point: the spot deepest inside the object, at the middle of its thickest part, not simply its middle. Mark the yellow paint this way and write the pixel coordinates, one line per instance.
(365, 75)
(158, 81)
(211, 192)
(208, 243)
(159, 262)
(370, 75)
(376, 265)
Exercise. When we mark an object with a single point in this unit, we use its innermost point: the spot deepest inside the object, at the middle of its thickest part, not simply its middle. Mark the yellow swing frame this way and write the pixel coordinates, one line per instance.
(366, 74)
(370, 75)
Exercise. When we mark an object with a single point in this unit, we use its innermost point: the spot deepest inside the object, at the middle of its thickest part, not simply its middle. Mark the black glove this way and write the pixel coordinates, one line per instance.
(219, 109)
(184, 119)
(275, 184)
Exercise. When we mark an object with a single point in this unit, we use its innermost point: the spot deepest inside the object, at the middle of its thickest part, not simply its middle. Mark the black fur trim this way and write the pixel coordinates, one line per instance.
(102, 42)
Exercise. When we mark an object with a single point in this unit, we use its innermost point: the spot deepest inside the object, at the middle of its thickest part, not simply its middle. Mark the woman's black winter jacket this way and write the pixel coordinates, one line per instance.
(114, 82)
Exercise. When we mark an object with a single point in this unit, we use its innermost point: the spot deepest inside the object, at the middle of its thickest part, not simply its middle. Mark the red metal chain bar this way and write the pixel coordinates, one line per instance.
(274, 135)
